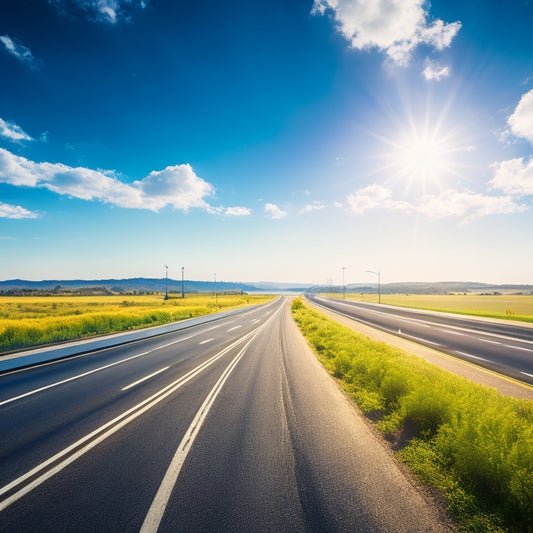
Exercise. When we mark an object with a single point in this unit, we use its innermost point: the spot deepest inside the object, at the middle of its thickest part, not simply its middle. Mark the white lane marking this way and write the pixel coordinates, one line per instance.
(519, 348)
(233, 328)
(206, 341)
(79, 376)
(420, 321)
(453, 333)
(160, 502)
(472, 356)
(255, 320)
(131, 385)
(213, 327)
(526, 374)
(105, 431)
(421, 340)
(490, 342)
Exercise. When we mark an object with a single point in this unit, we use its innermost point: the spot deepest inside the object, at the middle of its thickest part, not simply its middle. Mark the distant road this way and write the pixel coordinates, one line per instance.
(503, 348)
(230, 425)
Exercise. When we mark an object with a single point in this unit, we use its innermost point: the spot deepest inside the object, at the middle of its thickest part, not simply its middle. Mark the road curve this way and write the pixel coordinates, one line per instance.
(229, 426)
(500, 347)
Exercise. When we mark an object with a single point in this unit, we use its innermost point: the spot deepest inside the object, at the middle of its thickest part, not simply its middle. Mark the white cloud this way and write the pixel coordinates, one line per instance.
(466, 205)
(514, 177)
(237, 211)
(372, 197)
(15, 211)
(274, 212)
(451, 203)
(435, 71)
(315, 206)
(14, 133)
(110, 11)
(18, 50)
(395, 27)
(521, 121)
(177, 186)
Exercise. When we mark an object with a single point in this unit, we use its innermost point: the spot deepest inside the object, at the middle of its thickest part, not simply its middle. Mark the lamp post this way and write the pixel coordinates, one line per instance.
(166, 282)
(378, 274)
(216, 294)
(182, 286)
(343, 286)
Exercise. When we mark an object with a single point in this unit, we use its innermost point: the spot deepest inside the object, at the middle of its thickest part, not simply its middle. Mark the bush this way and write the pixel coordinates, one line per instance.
(465, 439)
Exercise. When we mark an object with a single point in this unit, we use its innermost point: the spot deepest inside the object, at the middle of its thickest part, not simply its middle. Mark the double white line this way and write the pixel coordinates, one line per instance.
(44, 471)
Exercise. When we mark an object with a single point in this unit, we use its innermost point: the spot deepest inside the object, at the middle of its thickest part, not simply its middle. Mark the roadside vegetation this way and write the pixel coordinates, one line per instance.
(33, 321)
(503, 306)
(468, 441)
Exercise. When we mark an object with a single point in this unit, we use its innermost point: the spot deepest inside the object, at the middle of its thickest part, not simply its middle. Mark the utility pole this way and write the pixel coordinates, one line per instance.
(343, 286)
(166, 282)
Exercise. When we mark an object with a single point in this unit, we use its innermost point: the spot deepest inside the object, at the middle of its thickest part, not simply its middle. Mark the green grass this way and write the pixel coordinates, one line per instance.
(34, 320)
(467, 440)
(503, 306)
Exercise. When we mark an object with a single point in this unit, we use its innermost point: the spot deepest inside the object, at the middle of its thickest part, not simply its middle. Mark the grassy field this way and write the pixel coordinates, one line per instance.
(466, 440)
(33, 321)
(515, 307)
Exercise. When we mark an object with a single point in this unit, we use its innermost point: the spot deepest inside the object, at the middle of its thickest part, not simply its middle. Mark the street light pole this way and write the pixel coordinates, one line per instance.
(182, 287)
(166, 282)
(378, 274)
(343, 286)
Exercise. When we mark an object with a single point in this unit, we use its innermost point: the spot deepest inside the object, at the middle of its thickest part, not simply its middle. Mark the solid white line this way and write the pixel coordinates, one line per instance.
(472, 356)
(526, 374)
(105, 431)
(233, 328)
(160, 502)
(145, 378)
(206, 341)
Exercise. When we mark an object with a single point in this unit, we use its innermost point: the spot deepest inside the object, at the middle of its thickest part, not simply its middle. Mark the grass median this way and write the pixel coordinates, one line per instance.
(33, 321)
(467, 440)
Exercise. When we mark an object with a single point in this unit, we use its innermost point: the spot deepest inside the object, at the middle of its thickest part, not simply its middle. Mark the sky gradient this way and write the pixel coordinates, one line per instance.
(271, 140)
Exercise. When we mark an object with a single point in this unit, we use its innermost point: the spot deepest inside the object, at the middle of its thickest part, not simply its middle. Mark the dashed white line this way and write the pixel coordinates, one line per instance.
(233, 328)
(490, 342)
(519, 348)
(421, 340)
(526, 374)
(206, 341)
(453, 333)
(471, 356)
(131, 385)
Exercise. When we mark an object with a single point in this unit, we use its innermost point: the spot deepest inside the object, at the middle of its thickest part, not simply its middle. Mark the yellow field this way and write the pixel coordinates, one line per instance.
(35, 320)
(517, 307)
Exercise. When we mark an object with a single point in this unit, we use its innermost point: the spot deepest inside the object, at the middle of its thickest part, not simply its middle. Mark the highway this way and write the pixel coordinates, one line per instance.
(229, 425)
(503, 348)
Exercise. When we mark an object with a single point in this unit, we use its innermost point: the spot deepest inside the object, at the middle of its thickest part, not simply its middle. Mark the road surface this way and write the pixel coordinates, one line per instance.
(504, 348)
(231, 425)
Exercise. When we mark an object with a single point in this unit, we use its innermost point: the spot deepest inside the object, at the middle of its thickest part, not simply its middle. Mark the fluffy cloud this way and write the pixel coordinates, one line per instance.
(315, 206)
(521, 121)
(15, 211)
(177, 186)
(18, 50)
(466, 205)
(110, 11)
(14, 133)
(396, 27)
(237, 211)
(372, 197)
(435, 71)
(450, 203)
(514, 177)
(274, 212)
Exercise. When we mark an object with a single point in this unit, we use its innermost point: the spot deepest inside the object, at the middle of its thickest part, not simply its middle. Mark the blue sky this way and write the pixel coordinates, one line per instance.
(275, 140)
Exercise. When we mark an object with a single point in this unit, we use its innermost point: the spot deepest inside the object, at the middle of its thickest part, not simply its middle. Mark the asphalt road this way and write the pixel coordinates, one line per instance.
(231, 425)
(504, 348)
